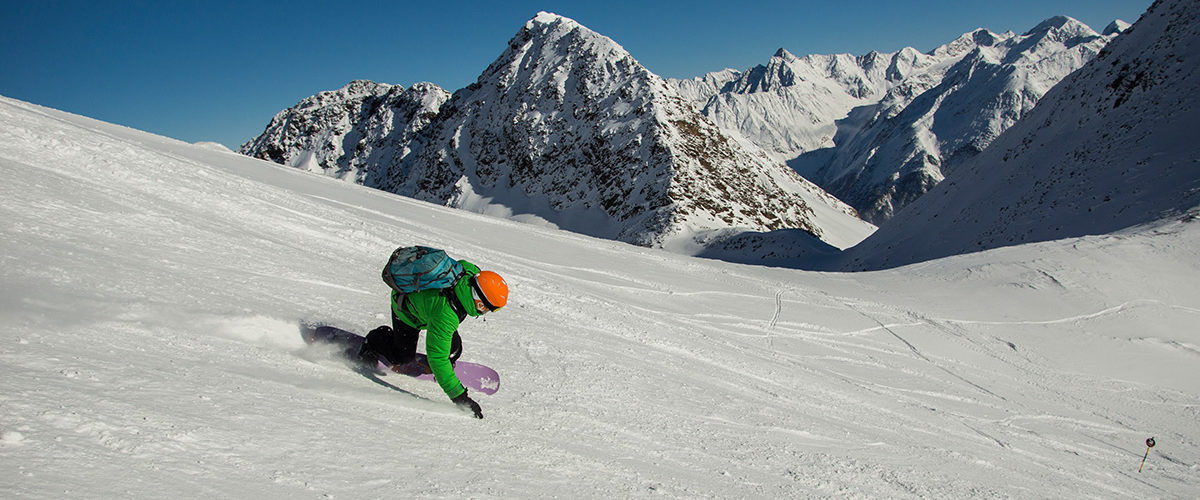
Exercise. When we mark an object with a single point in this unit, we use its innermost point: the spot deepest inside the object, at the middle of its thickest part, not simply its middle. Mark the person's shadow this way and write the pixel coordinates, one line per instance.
(373, 376)
(340, 344)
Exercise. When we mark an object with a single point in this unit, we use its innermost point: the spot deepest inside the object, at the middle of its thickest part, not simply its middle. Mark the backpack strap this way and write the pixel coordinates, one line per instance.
(455, 303)
(404, 309)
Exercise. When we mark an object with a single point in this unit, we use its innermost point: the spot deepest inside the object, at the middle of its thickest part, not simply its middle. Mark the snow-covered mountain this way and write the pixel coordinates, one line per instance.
(879, 130)
(1116, 27)
(702, 88)
(567, 128)
(150, 292)
(1112, 146)
(789, 106)
(361, 132)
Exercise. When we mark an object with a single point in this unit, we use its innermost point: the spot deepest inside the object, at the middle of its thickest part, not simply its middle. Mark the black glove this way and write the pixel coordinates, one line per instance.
(465, 403)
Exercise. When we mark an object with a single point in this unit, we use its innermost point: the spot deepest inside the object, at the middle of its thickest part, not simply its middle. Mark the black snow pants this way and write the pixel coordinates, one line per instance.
(399, 343)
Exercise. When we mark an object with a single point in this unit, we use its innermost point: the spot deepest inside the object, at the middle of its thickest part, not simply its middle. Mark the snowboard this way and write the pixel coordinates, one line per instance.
(474, 376)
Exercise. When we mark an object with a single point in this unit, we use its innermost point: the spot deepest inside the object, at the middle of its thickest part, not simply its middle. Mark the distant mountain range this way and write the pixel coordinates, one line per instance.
(1113, 146)
(879, 130)
(565, 128)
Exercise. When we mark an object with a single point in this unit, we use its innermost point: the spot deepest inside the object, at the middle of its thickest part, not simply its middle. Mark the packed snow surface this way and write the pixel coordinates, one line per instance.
(150, 292)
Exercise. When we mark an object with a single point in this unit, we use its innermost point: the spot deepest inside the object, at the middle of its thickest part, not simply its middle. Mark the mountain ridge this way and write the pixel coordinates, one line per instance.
(1106, 150)
(840, 120)
(566, 128)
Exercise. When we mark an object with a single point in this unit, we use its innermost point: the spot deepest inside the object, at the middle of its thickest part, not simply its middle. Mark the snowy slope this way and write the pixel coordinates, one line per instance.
(150, 292)
(1112, 147)
(565, 128)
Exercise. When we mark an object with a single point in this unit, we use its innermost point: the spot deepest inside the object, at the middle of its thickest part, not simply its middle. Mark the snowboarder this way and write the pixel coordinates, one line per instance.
(439, 312)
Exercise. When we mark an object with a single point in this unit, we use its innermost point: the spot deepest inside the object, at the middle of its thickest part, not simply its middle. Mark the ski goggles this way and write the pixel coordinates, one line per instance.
(481, 304)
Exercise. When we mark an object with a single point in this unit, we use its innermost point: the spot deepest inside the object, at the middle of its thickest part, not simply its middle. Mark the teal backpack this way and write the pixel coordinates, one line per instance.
(416, 268)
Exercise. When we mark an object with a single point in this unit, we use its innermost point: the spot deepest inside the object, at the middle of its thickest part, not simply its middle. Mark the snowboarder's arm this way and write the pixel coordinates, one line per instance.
(438, 339)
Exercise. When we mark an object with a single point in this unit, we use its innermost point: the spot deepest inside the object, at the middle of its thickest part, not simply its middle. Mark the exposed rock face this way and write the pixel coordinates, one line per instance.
(361, 132)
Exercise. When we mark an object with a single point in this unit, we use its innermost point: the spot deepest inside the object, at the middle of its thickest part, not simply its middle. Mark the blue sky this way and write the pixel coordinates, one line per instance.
(218, 71)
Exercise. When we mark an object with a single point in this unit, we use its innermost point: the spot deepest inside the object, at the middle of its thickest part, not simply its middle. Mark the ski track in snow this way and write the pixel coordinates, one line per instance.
(152, 290)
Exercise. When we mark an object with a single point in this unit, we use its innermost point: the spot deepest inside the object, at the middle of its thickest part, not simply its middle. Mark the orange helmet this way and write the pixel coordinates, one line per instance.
(490, 289)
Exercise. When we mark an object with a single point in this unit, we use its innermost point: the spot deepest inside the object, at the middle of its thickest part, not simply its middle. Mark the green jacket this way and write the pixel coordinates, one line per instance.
(430, 310)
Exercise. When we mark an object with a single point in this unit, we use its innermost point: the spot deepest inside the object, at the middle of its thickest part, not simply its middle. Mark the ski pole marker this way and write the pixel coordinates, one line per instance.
(1149, 444)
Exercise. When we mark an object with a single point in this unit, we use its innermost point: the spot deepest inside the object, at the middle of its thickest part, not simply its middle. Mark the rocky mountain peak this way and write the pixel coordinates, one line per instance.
(348, 132)
(568, 119)
(566, 128)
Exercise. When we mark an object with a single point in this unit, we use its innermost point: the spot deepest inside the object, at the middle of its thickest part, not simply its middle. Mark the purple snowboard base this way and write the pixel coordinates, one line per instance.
(474, 376)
